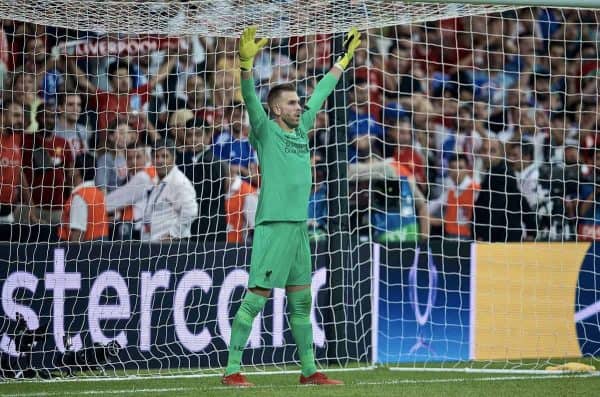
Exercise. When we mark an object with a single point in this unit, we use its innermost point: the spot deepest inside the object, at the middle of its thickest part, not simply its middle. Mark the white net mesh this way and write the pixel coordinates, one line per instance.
(448, 131)
(228, 18)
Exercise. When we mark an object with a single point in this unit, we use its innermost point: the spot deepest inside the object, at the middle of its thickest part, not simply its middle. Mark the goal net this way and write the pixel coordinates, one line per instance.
(452, 215)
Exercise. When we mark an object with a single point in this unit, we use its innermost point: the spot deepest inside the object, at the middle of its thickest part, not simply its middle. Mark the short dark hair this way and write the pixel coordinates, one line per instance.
(196, 122)
(527, 149)
(120, 64)
(6, 104)
(276, 91)
(457, 158)
(61, 97)
(135, 145)
(165, 143)
(111, 128)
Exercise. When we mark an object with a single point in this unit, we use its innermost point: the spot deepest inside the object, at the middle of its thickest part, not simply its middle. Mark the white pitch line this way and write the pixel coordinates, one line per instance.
(182, 376)
(101, 392)
(381, 383)
(476, 379)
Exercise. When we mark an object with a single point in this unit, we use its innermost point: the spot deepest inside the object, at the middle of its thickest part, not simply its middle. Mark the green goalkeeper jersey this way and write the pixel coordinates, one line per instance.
(284, 157)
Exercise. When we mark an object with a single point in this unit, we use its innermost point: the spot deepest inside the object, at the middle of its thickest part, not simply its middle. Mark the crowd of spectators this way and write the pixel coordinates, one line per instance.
(474, 128)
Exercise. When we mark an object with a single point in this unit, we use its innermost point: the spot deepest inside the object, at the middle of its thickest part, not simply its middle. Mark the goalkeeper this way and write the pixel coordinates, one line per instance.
(280, 251)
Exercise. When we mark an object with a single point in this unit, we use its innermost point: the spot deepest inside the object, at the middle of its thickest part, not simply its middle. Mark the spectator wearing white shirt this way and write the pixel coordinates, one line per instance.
(171, 206)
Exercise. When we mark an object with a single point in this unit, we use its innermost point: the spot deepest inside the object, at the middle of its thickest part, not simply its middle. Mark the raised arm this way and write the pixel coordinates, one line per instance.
(328, 83)
(249, 47)
(83, 82)
(163, 71)
(130, 193)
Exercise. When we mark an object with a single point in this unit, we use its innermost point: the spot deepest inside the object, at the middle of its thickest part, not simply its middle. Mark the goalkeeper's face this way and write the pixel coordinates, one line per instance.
(287, 108)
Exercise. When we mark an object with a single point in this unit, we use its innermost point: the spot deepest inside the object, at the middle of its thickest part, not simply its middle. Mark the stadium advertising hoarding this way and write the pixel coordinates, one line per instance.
(535, 300)
(487, 302)
(423, 309)
(171, 305)
(168, 306)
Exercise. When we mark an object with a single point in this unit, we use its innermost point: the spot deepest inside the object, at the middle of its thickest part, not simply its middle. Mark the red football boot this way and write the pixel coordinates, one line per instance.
(318, 378)
(236, 380)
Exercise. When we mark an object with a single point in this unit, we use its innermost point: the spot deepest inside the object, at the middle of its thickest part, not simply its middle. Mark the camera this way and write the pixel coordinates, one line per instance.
(25, 341)
(90, 358)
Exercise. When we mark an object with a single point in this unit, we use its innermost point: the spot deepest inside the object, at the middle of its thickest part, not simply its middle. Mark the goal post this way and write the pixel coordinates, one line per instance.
(452, 218)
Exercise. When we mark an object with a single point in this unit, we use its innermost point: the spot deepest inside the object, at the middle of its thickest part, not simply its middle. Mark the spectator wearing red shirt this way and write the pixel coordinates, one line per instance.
(123, 97)
(12, 181)
(45, 157)
(67, 126)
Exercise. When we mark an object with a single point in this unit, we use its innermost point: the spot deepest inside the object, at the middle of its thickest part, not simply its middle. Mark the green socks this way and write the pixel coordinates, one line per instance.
(299, 304)
(240, 329)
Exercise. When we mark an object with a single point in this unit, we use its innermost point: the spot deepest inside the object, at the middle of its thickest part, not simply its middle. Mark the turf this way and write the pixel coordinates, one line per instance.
(377, 382)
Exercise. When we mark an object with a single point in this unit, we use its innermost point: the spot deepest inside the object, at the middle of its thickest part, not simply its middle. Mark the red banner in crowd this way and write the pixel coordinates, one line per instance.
(115, 47)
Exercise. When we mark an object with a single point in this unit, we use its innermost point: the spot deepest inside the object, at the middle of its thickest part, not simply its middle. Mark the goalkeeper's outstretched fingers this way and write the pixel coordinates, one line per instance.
(351, 43)
(249, 47)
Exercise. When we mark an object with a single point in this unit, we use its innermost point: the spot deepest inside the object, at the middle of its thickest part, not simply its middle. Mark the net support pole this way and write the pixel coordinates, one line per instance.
(339, 235)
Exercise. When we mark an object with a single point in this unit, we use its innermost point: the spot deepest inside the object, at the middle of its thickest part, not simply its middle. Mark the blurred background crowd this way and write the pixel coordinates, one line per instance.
(476, 128)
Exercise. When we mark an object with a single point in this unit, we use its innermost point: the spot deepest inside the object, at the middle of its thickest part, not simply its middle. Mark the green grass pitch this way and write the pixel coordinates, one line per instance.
(363, 383)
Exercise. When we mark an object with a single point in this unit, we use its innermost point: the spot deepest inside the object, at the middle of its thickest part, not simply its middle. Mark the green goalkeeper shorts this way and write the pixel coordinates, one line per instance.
(280, 255)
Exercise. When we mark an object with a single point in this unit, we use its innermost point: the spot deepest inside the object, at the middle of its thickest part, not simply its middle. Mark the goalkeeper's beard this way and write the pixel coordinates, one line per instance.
(291, 121)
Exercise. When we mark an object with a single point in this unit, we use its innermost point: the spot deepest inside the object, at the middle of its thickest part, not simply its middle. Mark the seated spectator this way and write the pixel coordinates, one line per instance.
(110, 157)
(13, 183)
(241, 203)
(317, 204)
(226, 81)
(209, 178)
(363, 129)
(67, 125)
(455, 206)
(24, 92)
(123, 97)
(232, 144)
(175, 85)
(170, 208)
(46, 157)
(199, 100)
(318, 137)
(127, 201)
(402, 146)
(84, 214)
(572, 179)
(500, 208)
(521, 161)
(400, 79)
(48, 73)
(177, 129)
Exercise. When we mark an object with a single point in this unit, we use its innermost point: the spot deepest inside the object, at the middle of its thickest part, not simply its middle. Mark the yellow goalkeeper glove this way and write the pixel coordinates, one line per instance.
(249, 47)
(351, 42)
